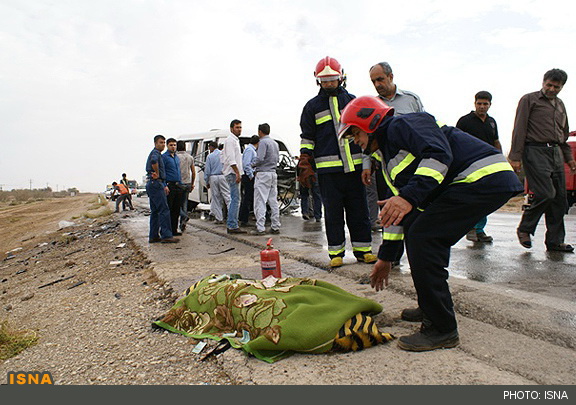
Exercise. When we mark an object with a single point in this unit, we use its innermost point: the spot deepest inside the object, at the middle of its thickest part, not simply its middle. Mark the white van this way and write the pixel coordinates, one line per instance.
(197, 146)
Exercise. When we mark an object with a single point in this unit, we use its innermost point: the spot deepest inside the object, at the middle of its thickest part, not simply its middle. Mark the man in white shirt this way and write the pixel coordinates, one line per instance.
(232, 169)
(188, 174)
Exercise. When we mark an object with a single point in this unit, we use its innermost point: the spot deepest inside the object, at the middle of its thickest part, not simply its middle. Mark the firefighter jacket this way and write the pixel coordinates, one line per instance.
(319, 123)
(420, 160)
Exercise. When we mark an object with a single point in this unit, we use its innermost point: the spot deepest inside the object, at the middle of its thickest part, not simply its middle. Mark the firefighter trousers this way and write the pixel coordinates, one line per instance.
(344, 196)
(428, 237)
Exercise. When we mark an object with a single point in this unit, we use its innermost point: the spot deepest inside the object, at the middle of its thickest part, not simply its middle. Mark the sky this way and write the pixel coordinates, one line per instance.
(86, 84)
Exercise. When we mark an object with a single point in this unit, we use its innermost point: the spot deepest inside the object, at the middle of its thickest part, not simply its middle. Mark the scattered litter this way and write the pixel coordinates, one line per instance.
(95, 236)
(14, 250)
(221, 348)
(120, 246)
(4, 280)
(28, 238)
(199, 347)
(65, 224)
(115, 262)
(77, 284)
(117, 295)
(56, 281)
(43, 244)
(111, 240)
(232, 334)
(71, 253)
(245, 337)
(8, 307)
(224, 251)
(219, 278)
(21, 271)
(27, 297)
(10, 256)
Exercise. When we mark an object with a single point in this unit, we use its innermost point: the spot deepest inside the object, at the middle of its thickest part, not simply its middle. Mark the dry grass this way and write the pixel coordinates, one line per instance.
(14, 341)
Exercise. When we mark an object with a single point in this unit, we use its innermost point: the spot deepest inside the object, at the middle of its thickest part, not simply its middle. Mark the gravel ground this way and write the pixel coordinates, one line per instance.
(97, 332)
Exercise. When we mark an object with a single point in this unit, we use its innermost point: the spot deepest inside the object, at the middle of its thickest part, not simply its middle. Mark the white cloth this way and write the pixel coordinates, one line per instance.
(266, 191)
(219, 195)
(231, 155)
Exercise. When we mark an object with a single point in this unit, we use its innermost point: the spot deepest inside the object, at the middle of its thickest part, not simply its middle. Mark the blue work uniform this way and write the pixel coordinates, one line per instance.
(174, 182)
(339, 166)
(452, 179)
(159, 212)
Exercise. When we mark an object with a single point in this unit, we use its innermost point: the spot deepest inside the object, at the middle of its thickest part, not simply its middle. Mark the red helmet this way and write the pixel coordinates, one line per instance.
(328, 69)
(366, 112)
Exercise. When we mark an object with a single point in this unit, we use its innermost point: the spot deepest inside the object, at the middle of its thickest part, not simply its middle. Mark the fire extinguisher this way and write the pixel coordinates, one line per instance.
(270, 261)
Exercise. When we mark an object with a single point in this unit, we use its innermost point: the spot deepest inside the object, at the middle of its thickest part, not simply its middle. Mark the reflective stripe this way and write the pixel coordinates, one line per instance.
(323, 165)
(362, 249)
(307, 142)
(323, 119)
(399, 163)
(485, 171)
(432, 168)
(379, 157)
(393, 233)
(483, 167)
(328, 161)
(357, 162)
(343, 144)
(440, 124)
(336, 250)
(361, 244)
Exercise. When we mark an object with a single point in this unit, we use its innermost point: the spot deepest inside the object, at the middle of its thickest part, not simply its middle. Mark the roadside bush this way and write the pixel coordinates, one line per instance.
(14, 341)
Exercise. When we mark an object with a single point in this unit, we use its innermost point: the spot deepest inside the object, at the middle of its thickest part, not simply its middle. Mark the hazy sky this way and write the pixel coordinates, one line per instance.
(86, 84)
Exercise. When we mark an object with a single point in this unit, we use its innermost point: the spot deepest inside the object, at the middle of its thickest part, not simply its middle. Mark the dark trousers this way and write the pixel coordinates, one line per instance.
(247, 198)
(159, 211)
(344, 194)
(544, 168)
(174, 201)
(428, 237)
(305, 194)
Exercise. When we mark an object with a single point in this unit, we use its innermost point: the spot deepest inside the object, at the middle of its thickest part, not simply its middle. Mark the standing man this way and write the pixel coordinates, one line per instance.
(266, 183)
(404, 102)
(479, 124)
(188, 175)
(160, 229)
(451, 181)
(247, 188)
(342, 168)
(539, 144)
(305, 194)
(216, 183)
(174, 182)
(232, 168)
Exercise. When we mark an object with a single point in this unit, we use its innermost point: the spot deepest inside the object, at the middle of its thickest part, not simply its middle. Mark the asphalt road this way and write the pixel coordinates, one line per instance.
(515, 308)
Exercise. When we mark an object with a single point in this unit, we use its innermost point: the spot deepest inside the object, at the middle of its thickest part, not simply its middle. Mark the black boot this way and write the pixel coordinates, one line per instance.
(429, 338)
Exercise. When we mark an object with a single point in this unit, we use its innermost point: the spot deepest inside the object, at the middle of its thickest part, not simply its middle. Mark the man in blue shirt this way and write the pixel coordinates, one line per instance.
(248, 158)
(216, 183)
(160, 229)
(174, 183)
(266, 184)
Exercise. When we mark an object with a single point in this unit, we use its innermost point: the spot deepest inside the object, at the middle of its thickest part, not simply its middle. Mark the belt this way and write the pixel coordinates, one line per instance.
(173, 182)
(542, 144)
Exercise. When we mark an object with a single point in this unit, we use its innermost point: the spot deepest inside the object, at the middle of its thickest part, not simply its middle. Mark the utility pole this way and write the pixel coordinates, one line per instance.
(30, 184)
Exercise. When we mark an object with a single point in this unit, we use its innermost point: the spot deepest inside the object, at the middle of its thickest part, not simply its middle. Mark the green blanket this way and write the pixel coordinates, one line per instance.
(269, 318)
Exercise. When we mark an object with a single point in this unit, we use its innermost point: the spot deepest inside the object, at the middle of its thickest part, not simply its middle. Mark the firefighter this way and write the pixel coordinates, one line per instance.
(342, 169)
(441, 181)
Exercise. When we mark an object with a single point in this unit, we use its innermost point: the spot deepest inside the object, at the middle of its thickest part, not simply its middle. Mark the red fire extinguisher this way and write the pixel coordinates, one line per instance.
(270, 261)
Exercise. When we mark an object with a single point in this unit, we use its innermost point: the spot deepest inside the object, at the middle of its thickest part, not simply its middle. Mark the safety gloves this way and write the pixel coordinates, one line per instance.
(306, 171)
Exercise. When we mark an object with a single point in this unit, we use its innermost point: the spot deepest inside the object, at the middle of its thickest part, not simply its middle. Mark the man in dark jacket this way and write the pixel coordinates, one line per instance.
(441, 181)
(341, 167)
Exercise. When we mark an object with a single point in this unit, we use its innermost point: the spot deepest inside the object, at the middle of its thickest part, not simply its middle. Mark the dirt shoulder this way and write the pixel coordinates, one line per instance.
(94, 320)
